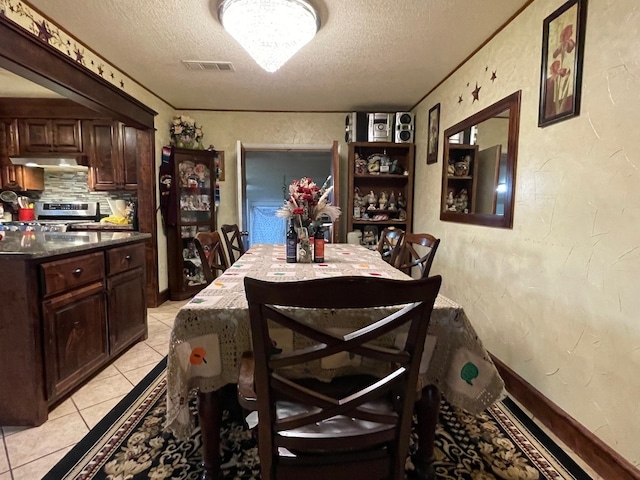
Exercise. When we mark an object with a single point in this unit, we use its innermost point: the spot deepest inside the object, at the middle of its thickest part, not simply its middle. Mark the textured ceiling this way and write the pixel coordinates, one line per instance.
(369, 54)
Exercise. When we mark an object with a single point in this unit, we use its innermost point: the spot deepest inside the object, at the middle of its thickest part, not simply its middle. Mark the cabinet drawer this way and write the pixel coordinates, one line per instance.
(65, 274)
(120, 259)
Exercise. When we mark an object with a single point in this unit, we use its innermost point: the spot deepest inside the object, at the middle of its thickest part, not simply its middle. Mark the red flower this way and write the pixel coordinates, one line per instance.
(556, 70)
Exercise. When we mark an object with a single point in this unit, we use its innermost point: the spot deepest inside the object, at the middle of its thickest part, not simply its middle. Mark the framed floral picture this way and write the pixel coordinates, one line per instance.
(433, 134)
(561, 69)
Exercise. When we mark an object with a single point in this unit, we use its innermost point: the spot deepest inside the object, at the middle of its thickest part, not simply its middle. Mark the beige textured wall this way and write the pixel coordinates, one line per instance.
(224, 129)
(557, 297)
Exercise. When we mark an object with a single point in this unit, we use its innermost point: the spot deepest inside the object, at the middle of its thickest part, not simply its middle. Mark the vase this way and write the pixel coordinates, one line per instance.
(200, 145)
(188, 144)
(179, 143)
(305, 255)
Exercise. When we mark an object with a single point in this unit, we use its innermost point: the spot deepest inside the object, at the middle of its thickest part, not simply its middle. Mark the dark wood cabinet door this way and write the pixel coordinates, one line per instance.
(127, 309)
(66, 136)
(35, 135)
(129, 157)
(75, 341)
(101, 140)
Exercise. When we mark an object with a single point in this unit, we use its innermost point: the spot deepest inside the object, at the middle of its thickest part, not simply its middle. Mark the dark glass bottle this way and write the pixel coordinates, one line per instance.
(292, 244)
(318, 247)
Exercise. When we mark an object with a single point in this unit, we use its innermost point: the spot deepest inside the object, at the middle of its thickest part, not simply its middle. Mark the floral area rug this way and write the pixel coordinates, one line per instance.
(130, 443)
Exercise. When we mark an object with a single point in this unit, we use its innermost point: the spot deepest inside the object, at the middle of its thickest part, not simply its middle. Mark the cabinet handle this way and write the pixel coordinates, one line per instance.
(77, 272)
(128, 258)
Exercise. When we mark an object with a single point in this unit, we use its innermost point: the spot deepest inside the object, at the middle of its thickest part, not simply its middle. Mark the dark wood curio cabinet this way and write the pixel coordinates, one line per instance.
(193, 204)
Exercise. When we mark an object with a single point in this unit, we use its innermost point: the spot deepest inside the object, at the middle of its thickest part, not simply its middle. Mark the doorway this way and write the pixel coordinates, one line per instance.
(265, 173)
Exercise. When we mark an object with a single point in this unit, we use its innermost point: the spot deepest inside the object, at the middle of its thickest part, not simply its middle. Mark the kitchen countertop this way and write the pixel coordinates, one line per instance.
(99, 226)
(44, 244)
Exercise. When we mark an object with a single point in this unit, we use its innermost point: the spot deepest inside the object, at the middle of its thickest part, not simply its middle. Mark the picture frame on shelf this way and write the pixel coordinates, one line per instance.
(433, 132)
(561, 66)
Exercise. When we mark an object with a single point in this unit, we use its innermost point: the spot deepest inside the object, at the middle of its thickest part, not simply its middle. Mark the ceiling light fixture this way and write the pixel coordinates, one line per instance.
(271, 31)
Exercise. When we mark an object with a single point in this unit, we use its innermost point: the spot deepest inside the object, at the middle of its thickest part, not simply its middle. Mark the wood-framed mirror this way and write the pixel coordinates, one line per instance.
(479, 166)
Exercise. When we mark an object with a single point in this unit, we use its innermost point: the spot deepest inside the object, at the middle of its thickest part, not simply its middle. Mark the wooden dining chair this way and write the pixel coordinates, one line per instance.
(356, 426)
(211, 253)
(390, 243)
(233, 241)
(418, 250)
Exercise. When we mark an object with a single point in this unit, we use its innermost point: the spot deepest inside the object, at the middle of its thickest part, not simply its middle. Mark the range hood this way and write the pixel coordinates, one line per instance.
(57, 163)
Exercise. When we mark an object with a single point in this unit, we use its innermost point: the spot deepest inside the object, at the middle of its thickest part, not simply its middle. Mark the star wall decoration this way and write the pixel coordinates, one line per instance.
(493, 76)
(43, 31)
(476, 93)
(460, 99)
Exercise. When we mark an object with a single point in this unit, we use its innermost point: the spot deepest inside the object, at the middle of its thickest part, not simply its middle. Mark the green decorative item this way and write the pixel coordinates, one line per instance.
(179, 143)
(188, 144)
(469, 372)
(200, 145)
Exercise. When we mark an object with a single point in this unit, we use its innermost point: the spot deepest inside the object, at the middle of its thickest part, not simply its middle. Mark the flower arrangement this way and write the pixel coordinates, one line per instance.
(309, 202)
(184, 131)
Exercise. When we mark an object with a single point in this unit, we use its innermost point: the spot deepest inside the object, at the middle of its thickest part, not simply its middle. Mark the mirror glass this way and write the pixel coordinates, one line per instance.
(478, 174)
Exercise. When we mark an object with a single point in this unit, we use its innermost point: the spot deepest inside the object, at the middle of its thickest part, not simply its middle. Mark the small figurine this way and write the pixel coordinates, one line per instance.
(382, 202)
(372, 200)
(450, 200)
(360, 164)
(392, 202)
(374, 164)
(461, 201)
(402, 202)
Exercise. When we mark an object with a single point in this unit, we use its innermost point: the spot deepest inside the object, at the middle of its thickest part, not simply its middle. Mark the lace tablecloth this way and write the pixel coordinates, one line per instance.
(211, 332)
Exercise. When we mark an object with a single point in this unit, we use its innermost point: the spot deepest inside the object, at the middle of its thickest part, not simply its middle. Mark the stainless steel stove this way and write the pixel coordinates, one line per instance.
(56, 217)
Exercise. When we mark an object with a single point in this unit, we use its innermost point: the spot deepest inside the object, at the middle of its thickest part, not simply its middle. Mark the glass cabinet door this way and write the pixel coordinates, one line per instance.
(192, 272)
(195, 190)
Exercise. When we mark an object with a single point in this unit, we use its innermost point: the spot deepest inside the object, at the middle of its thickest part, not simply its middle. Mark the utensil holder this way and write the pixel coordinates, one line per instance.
(26, 214)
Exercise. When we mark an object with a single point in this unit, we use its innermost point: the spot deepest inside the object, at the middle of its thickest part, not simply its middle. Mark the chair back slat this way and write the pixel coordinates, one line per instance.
(390, 243)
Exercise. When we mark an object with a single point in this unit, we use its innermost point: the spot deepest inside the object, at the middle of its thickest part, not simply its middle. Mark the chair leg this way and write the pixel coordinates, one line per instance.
(210, 416)
(427, 412)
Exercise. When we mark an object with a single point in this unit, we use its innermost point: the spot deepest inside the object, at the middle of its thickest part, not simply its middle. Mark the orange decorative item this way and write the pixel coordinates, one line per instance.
(197, 356)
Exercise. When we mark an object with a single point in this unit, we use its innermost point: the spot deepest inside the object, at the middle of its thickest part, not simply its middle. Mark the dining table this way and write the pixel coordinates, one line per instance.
(212, 331)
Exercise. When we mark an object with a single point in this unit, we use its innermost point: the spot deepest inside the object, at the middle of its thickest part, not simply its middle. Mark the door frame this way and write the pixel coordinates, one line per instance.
(242, 149)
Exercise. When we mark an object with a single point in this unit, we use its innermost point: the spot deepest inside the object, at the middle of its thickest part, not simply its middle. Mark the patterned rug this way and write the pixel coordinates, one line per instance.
(130, 443)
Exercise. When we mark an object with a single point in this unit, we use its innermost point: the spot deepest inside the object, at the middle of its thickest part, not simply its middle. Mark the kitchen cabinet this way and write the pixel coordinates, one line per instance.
(75, 331)
(126, 296)
(380, 170)
(194, 207)
(65, 315)
(43, 135)
(21, 178)
(112, 153)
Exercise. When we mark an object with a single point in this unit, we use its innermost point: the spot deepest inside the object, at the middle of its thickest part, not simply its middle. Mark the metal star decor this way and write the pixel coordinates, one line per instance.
(460, 99)
(476, 93)
(493, 76)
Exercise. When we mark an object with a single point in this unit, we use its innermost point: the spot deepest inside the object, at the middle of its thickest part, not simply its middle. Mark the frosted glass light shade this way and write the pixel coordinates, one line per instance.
(271, 31)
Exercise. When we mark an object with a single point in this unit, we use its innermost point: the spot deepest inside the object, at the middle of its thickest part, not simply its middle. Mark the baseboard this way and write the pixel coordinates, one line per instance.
(598, 455)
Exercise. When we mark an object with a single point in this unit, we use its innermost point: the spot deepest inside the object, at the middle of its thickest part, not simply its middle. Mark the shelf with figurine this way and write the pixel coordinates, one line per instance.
(380, 185)
(461, 178)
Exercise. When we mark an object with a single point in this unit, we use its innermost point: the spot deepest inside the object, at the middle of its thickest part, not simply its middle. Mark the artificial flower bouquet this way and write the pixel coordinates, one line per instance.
(308, 202)
(184, 131)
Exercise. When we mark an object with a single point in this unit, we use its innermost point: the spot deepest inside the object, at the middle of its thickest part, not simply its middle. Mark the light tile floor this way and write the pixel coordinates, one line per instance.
(29, 453)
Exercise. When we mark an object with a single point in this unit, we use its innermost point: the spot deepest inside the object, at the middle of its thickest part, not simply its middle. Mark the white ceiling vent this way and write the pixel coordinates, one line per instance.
(208, 65)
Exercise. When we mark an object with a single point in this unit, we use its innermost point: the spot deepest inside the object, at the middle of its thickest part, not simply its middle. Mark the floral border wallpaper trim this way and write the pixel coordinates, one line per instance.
(25, 16)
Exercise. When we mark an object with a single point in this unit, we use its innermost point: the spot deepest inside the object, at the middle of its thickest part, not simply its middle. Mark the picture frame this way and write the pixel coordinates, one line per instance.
(561, 67)
(433, 133)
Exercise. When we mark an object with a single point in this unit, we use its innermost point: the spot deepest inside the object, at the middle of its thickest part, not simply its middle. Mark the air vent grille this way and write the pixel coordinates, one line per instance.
(208, 65)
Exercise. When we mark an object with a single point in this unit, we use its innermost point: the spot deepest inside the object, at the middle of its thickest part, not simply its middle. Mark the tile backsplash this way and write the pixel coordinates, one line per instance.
(61, 186)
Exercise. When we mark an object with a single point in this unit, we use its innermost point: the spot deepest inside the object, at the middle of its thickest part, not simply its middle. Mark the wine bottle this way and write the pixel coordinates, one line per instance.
(292, 244)
(318, 248)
